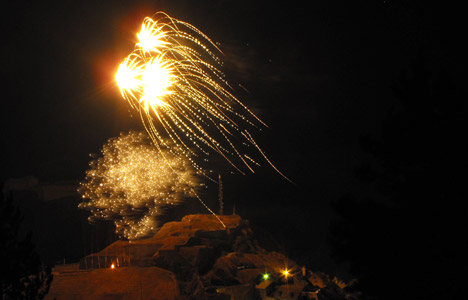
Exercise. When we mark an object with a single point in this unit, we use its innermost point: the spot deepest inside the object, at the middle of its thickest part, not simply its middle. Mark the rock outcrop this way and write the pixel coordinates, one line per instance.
(196, 258)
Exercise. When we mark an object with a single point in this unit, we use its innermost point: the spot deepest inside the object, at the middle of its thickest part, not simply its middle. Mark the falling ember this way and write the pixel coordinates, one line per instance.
(173, 79)
(112, 266)
(133, 181)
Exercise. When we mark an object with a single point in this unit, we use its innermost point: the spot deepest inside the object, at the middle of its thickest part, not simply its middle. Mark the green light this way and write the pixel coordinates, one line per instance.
(266, 276)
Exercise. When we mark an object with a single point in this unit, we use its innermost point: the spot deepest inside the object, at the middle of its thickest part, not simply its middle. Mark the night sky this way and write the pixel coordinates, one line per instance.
(319, 75)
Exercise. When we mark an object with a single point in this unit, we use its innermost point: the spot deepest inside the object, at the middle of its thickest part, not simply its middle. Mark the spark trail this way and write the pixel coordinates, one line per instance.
(173, 79)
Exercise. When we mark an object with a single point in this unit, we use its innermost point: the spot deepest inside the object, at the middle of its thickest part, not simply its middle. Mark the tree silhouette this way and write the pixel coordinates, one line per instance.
(21, 276)
(410, 238)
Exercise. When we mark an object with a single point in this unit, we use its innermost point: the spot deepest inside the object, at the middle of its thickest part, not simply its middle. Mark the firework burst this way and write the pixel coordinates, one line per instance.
(173, 79)
(132, 181)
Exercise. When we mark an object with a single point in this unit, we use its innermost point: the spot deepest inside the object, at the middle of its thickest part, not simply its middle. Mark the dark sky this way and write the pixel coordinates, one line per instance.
(319, 75)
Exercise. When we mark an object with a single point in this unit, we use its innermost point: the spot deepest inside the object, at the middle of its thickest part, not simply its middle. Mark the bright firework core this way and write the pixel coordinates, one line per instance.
(172, 79)
(132, 181)
(153, 81)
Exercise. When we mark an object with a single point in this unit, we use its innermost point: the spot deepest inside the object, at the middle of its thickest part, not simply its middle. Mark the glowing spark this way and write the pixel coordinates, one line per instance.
(112, 266)
(286, 273)
(151, 37)
(266, 276)
(129, 75)
(172, 78)
(156, 81)
(133, 181)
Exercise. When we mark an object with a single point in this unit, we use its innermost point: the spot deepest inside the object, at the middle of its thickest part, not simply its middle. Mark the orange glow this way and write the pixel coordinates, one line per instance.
(285, 272)
(112, 266)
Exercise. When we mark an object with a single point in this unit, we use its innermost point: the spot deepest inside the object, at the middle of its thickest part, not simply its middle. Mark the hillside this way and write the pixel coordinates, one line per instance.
(196, 258)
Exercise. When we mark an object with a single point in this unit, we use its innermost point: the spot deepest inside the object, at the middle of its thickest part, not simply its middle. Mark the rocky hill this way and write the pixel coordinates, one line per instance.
(196, 258)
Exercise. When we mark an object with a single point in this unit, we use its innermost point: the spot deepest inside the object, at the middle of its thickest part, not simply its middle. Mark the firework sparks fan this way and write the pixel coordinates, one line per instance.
(172, 79)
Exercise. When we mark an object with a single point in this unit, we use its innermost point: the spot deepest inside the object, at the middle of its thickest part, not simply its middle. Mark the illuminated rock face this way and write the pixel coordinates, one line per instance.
(191, 239)
(196, 258)
(119, 283)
